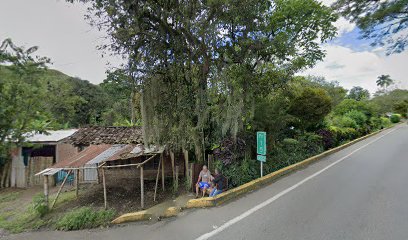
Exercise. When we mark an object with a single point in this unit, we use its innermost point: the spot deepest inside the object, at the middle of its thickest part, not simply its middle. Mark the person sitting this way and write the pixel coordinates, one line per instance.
(203, 181)
(218, 181)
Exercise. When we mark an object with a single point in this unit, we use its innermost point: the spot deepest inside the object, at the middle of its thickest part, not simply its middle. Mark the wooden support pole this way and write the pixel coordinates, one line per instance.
(46, 189)
(104, 188)
(141, 188)
(157, 180)
(59, 190)
(177, 180)
(76, 183)
(185, 153)
(162, 160)
(172, 164)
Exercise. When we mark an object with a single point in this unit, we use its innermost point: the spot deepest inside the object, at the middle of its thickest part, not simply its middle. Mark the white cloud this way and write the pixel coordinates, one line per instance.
(344, 26)
(361, 68)
(61, 33)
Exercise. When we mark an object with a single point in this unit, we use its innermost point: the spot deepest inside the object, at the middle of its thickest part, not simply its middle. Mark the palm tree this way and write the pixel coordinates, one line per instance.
(384, 81)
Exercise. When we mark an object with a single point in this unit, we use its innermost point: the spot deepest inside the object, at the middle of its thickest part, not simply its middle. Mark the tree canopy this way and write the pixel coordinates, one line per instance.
(385, 22)
(358, 93)
(201, 63)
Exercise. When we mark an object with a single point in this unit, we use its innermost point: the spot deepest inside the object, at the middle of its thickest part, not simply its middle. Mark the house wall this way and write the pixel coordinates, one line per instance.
(18, 174)
(65, 151)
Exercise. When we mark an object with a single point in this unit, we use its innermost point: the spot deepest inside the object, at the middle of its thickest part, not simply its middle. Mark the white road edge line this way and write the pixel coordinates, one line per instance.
(284, 192)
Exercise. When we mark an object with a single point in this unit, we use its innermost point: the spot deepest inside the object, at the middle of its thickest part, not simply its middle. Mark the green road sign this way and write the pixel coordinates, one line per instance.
(261, 143)
(261, 158)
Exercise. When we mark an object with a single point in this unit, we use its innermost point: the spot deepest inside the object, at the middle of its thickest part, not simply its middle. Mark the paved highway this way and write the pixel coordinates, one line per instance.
(359, 193)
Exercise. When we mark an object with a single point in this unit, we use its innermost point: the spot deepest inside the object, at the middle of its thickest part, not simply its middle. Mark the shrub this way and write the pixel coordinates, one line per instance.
(375, 123)
(84, 217)
(385, 122)
(345, 122)
(395, 118)
(328, 138)
(359, 117)
(230, 150)
(39, 205)
(242, 172)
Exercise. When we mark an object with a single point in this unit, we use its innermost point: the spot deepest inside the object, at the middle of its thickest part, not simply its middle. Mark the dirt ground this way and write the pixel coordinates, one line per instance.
(123, 197)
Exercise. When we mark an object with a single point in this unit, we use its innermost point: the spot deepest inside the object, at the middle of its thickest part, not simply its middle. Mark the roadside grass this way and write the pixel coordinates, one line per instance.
(63, 198)
(84, 217)
(9, 197)
(20, 220)
(19, 214)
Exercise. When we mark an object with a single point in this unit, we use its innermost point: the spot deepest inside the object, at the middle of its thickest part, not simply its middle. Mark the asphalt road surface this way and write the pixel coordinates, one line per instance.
(359, 193)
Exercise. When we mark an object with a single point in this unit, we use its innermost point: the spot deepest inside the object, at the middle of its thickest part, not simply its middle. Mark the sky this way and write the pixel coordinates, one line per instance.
(60, 31)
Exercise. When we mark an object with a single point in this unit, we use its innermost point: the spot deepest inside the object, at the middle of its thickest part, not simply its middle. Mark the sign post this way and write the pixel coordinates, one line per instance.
(261, 148)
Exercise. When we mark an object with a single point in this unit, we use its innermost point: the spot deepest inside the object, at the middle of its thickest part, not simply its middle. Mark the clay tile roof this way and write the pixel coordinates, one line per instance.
(82, 157)
(106, 135)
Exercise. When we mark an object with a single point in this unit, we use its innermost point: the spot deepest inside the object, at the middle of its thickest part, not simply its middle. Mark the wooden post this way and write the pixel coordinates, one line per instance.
(76, 183)
(157, 180)
(210, 162)
(185, 152)
(177, 174)
(46, 189)
(104, 188)
(141, 188)
(162, 160)
(59, 190)
(172, 164)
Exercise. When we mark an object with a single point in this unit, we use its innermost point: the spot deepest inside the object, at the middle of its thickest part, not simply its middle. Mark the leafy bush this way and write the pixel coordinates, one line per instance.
(230, 150)
(328, 138)
(84, 217)
(385, 122)
(239, 173)
(376, 123)
(39, 205)
(359, 117)
(345, 122)
(395, 118)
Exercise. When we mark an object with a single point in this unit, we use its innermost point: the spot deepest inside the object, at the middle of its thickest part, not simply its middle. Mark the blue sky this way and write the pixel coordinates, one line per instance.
(62, 34)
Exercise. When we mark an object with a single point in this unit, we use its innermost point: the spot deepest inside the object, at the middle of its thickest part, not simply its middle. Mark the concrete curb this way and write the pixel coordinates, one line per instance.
(259, 182)
(132, 217)
(171, 212)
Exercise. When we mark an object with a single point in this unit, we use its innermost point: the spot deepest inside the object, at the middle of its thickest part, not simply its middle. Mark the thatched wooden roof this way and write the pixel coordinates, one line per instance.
(106, 135)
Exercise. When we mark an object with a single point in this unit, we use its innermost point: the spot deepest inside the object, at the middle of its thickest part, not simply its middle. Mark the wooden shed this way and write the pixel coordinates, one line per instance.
(39, 152)
(114, 153)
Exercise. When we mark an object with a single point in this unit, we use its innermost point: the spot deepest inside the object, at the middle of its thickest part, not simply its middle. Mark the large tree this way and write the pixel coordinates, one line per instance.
(385, 22)
(22, 110)
(201, 60)
(358, 93)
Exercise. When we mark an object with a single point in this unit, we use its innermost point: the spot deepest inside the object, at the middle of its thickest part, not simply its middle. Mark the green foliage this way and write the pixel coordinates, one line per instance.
(21, 94)
(199, 64)
(84, 217)
(359, 118)
(382, 21)
(345, 122)
(384, 81)
(39, 205)
(9, 197)
(335, 91)
(395, 118)
(358, 94)
(401, 107)
(310, 107)
(391, 101)
(347, 105)
(385, 122)
(241, 172)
